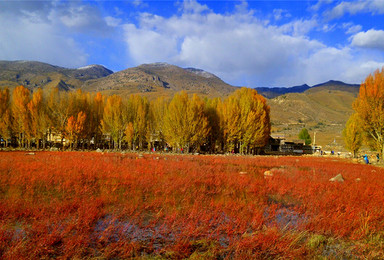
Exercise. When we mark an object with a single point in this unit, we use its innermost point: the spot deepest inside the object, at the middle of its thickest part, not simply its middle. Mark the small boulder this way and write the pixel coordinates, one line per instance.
(99, 150)
(338, 178)
(268, 174)
(243, 173)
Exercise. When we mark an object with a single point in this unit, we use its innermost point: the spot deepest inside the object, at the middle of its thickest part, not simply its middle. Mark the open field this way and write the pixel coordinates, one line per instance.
(112, 205)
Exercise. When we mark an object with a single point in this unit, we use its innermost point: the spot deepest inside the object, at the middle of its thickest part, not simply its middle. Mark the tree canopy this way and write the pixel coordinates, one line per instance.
(185, 122)
(304, 135)
(369, 107)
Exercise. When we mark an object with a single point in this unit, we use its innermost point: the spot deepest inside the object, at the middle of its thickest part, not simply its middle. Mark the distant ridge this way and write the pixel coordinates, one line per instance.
(277, 91)
(331, 85)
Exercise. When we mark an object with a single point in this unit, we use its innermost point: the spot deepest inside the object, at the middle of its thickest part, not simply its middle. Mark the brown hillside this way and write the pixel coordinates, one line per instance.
(160, 79)
(323, 110)
(33, 74)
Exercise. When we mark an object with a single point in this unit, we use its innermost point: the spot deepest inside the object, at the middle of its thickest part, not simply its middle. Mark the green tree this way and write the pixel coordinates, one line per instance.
(352, 134)
(304, 135)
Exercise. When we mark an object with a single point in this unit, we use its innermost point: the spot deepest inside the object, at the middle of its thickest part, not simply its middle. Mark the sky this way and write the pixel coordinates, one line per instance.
(245, 43)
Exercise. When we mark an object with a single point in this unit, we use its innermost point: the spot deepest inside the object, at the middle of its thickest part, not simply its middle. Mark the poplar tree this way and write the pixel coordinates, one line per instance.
(113, 122)
(39, 117)
(5, 116)
(352, 134)
(22, 120)
(246, 121)
(185, 122)
(369, 107)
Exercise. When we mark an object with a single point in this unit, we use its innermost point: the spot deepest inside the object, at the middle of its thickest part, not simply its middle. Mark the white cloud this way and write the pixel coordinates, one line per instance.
(192, 6)
(279, 14)
(45, 31)
(319, 4)
(242, 49)
(26, 40)
(354, 7)
(369, 39)
(234, 46)
(84, 19)
(351, 28)
(112, 21)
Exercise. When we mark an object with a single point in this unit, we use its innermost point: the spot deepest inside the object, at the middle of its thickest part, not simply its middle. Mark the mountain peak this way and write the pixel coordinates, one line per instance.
(156, 65)
(201, 72)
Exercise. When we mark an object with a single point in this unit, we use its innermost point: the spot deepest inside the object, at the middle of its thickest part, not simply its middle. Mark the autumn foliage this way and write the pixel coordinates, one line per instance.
(369, 107)
(114, 205)
(81, 120)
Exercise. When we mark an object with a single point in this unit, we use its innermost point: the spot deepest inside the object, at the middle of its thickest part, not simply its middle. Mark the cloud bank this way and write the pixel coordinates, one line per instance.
(238, 47)
(243, 46)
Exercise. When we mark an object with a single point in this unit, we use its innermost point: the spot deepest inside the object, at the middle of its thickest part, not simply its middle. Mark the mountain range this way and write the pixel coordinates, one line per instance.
(323, 108)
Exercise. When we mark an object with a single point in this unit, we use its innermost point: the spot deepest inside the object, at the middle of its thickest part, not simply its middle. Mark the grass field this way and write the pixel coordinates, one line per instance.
(93, 205)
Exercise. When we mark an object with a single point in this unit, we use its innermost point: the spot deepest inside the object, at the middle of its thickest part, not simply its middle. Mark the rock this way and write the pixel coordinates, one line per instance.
(357, 179)
(54, 149)
(31, 153)
(338, 178)
(268, 174)
(242, 173)
(99, 150)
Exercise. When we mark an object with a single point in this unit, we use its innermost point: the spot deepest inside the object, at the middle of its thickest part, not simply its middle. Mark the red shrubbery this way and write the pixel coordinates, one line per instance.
(124, 205)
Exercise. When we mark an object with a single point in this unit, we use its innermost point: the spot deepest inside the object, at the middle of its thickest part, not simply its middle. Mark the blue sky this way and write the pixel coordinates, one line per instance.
(246, 43)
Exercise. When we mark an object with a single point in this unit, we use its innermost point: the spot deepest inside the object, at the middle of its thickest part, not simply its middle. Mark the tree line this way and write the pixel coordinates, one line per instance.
(81, 120)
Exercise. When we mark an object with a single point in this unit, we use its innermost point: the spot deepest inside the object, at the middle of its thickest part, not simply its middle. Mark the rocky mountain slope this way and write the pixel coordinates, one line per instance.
(159, 79)
(33, 74)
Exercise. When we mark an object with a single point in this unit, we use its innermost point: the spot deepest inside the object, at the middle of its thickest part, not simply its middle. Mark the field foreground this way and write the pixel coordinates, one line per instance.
(94, 205)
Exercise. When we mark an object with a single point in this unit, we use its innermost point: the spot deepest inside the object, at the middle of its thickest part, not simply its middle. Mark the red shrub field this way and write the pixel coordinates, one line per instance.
(113, 205)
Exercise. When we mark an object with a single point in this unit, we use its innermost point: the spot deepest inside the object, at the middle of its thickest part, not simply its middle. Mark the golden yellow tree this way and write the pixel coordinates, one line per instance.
(59, 111)
(96, 114)
(22, 120)
(185, 122)
(197, 122)
(352, 134)
(215, 139)
(113, 122)
(231, 122)
(5, 116)
(39, 117)
(157, 111)
(246, 121)
(369, 107)
(138, 110)
(75, 128)
(129, 134)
